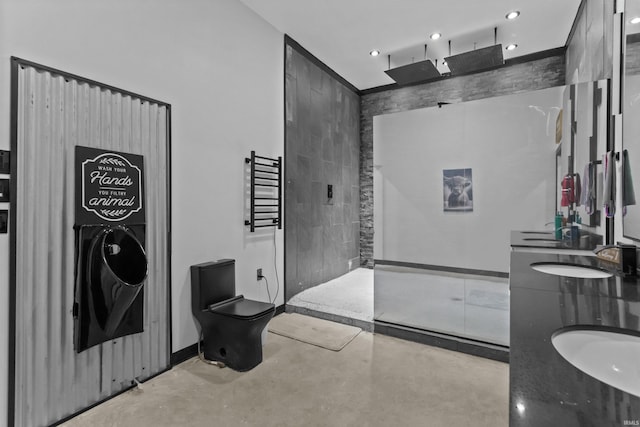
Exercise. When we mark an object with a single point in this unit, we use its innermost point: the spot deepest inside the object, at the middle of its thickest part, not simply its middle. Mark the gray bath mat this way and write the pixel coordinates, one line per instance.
(311, 330)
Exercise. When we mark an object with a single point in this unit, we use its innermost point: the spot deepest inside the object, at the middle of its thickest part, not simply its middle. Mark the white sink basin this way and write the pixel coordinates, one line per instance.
(610, 357)
(571, 270)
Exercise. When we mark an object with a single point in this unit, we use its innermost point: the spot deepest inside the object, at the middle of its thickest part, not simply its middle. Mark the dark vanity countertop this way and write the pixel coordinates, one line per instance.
(547, 240)
(546, 390)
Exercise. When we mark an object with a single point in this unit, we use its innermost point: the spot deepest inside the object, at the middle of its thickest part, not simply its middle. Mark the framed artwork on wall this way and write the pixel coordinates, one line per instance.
(457, 190)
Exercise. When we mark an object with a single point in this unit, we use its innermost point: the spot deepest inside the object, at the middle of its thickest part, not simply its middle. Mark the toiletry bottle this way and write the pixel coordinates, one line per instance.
(558, 225)
(575, 232)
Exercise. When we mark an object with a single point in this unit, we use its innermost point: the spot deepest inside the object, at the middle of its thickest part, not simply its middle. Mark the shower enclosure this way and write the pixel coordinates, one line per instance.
(450, 184)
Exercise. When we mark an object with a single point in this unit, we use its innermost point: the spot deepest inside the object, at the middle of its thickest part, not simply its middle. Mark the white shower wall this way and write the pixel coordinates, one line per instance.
(508, 142)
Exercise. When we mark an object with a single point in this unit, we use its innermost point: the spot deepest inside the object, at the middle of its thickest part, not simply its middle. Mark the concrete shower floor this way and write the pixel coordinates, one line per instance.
(346, 299)
(375, 380)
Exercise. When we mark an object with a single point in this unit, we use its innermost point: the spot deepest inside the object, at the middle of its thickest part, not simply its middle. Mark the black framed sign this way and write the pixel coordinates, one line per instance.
(109, 187)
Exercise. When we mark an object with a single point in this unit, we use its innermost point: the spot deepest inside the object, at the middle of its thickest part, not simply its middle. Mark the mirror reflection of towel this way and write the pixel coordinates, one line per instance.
(609, 188)
(577, 183)
(588, 198)
(628, 195)
(568, 195)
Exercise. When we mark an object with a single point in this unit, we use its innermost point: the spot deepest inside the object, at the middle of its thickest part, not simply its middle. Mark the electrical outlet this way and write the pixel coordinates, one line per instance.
(259, 273)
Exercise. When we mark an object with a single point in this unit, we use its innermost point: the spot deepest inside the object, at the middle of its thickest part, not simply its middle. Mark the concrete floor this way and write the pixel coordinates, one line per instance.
(375, 380)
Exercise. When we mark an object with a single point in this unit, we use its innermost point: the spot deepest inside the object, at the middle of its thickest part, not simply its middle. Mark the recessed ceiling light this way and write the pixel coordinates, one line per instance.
(512, 15)
(511, 46)
(374, 52)
(635, 20)
(435, 36)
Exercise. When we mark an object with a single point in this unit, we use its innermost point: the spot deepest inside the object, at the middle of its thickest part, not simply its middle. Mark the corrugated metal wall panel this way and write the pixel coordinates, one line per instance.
(56, 113)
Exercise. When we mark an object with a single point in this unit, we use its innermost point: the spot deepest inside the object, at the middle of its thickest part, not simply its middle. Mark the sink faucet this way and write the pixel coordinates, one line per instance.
(624, 256)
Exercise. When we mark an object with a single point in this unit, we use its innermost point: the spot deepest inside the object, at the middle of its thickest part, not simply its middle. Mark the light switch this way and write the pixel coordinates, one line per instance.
(5, 162)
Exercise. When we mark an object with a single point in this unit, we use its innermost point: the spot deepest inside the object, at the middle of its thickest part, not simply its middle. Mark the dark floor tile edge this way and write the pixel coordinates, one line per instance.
(184, 354)
(442, 268)
(475, 348)
(192, 350)
(362, 324)
(280, 309)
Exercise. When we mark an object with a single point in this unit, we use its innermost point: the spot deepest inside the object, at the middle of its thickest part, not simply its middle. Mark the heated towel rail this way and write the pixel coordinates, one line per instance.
(266, 192)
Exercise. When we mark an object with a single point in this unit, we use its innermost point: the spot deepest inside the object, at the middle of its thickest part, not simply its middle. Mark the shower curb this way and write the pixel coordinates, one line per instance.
(449, 342)
(366, 326)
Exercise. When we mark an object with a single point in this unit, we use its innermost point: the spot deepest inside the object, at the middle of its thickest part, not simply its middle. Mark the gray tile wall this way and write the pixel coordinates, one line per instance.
(322, 144)
(528, 76)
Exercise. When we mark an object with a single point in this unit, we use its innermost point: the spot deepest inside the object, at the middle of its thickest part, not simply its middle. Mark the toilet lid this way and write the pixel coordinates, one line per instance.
(243, 308)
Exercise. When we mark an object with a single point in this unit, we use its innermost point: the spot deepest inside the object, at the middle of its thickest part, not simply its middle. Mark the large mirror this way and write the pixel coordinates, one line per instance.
(631, 119)
(582, 137)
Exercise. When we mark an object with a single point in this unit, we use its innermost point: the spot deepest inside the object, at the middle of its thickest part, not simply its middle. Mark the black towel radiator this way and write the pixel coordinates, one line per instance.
(266, 192)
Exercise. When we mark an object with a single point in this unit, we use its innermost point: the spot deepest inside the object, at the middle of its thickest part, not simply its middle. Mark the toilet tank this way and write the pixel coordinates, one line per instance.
(212, 282)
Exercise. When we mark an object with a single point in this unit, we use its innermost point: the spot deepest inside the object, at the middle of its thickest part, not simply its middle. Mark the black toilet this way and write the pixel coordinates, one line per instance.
(231, 325)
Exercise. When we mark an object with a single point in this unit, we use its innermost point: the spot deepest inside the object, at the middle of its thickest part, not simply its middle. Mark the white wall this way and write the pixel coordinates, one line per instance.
(509, 142)
(220, 66)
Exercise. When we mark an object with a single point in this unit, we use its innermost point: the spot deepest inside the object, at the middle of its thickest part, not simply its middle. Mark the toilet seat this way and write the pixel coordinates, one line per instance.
(241, 308)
